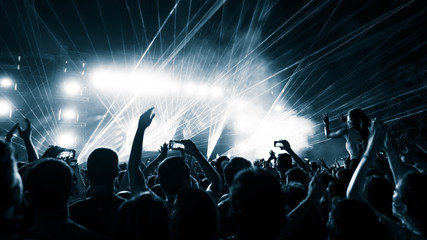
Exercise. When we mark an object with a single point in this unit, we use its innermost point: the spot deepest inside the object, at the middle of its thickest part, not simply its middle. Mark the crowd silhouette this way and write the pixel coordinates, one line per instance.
(376, 194)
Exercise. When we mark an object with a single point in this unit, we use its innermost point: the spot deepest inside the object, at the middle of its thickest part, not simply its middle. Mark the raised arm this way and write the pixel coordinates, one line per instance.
(296, 216)
(188, 159)
(398, 168)
(211, 174)
(136, 177)
(26, 136)
(287, 147)
(357, 183)
(80, 185)
(9, 134)
(328, 133)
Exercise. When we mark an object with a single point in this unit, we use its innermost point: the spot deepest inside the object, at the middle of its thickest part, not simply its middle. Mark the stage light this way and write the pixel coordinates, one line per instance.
(6, 83)
(68, 114)
(104, 79)
(174, 87)
(190, 88)
(217, 92)
(67, 140)
(5, 108)
(202, 91)
(99, 77)
(72, 88)
(240, 104)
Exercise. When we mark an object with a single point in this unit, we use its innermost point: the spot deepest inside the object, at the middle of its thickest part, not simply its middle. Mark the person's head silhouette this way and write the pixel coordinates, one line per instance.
(102, 166)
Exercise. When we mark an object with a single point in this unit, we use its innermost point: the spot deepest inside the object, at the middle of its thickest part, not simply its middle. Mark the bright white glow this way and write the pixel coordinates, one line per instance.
(256, 132)
(182, 110)
(142, 82)
(241, 104)
(235, 113)
(190, 88)
(67, 140)
(72, 88)
(107, 79)
(217, 92)
(146, 82)
(98, 77)
(5, 108)
(202, 90)
(68, 114)
(6, 83)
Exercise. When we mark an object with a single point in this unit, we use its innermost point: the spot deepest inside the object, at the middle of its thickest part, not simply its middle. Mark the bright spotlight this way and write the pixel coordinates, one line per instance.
(241, 104)
(5, 109)
(68, 114)
(72, 88)
(278, 108)
(190, 88)
(217, 92)
(202, 90)
(67, 140)
(100, 77)
(109, 80)
(6, 83)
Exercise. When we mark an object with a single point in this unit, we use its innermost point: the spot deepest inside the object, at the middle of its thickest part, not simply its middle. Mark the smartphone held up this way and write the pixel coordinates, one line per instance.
(176, 145)
(278, 144)
(69, 156)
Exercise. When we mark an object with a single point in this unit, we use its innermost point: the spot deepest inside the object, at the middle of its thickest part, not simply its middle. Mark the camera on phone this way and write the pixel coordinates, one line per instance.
(278, 144)
(68, 156)
(176, 145)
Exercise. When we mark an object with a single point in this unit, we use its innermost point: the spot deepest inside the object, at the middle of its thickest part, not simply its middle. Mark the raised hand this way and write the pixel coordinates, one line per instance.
(190, 147)
(325, 118)
(163, 151)
(376, 139)
(323, 164)
(26, 133)
(286, 146)
(272, 155)
(146, 118)
(315, 187)
(9, 135)
(342, 118)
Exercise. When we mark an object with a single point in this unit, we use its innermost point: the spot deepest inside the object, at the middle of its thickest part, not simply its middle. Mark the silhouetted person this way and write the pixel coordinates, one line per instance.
(352, 219)
(49, 185)
(294, 193)
(410, 202)
(284, 163)
(219, 165)
(298, 175)
(228, 225)
(194, 216)
(174, 176)
(11, 190)
(144, 216)
(356, 134)
(99, 211)
(257, 204)
(379, 194)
